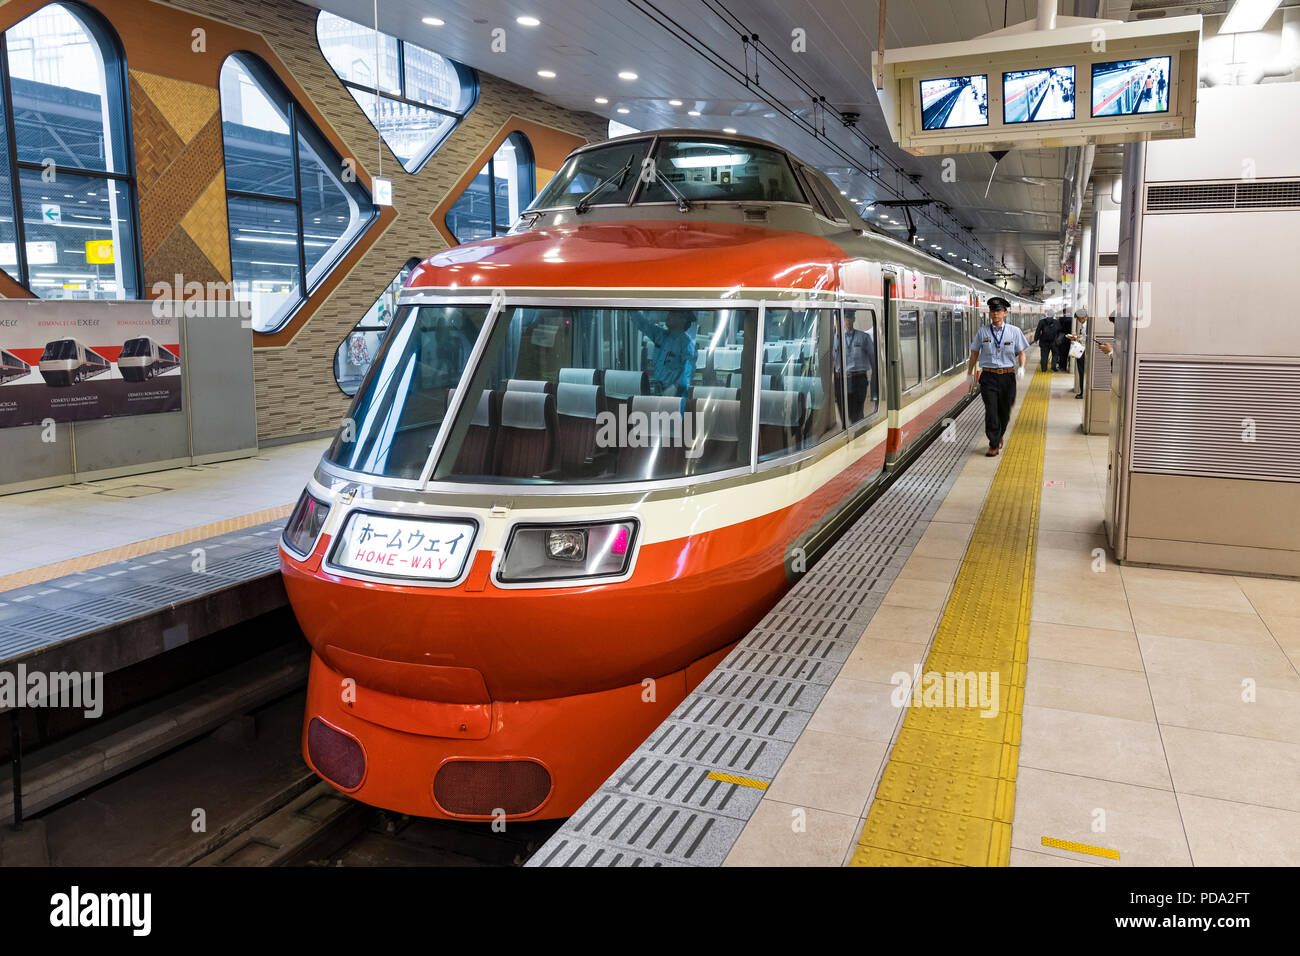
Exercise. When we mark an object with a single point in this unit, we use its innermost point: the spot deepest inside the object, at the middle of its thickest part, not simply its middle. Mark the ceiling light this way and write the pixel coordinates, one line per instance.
(627, 75)
(674, 102)
(624, 110)
(728, 129)
(546, 74)
(712, 159)
(528, 21)
(602, 100)
(693, 113)
(434, 22)
(1248, 16)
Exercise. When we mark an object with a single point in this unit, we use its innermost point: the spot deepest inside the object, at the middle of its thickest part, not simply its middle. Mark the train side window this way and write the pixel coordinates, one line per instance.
(954, 336)
(945, 340)
(861, 366)
(804, 406)
(930, 343)
(909, 346)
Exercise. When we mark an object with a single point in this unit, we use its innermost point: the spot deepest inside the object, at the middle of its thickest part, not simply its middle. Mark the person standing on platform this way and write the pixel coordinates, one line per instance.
(1045, 338)
(1062, 348)
(1081, 337)
(1000, 350)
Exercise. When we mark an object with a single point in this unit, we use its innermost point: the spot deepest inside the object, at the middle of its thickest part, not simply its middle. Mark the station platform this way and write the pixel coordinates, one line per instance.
(107, 575)
(1136, 716)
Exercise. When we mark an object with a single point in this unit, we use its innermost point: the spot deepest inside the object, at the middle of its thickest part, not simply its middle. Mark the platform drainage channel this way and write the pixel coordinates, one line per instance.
(684, 796)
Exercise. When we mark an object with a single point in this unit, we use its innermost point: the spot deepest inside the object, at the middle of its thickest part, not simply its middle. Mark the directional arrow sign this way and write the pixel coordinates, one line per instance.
(50, 212)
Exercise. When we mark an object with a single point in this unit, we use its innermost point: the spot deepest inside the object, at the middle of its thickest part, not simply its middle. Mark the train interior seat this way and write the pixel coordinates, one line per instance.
(621, 386)
(663, 453)
(714, 391)
(781, 420)
(580, 376)
(526, 438)
(577, 408)
(529, 385)
(717, 425)
(475, 456)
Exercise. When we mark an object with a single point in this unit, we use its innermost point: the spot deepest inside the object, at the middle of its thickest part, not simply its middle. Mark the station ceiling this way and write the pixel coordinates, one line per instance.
(694, 51)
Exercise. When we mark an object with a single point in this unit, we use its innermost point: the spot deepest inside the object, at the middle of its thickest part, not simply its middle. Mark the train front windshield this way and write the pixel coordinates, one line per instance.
(135, 348)
(62, 349)
(400, 407)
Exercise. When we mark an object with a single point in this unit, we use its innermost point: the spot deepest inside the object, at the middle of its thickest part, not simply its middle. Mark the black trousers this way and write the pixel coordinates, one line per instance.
(998, 389)
(1044, 356)
(1062, 351)
(1082, 364)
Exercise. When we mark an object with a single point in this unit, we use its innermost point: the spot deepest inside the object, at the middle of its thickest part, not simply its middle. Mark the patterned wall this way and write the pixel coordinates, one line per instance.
(175, 115)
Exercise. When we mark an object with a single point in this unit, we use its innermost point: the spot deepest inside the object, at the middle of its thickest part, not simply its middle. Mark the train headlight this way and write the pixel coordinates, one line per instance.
(304, 524)
(536, 553)
(566, 544)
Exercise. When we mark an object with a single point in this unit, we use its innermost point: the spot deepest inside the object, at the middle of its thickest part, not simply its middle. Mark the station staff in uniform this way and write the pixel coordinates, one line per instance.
(1000, 350)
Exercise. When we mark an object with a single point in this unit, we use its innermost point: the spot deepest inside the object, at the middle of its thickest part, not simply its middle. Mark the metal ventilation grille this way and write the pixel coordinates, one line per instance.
(1246, 194)
(1223, 419)
(1101, 365)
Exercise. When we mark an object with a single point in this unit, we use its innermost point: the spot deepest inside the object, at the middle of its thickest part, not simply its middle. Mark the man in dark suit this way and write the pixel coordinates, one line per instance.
(1064, 326)
(1045, 336)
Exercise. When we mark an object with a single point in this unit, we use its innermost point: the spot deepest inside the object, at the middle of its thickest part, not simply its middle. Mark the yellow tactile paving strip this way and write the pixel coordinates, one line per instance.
(947, 794)
(138, 548)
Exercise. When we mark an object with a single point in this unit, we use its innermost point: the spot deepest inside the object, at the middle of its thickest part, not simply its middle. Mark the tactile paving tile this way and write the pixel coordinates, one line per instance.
(701, 773)
(58, 609)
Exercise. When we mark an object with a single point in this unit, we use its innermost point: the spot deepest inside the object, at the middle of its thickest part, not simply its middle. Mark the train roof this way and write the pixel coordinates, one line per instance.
(714, 243)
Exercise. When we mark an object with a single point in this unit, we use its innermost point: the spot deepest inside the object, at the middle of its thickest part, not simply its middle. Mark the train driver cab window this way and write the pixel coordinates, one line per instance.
(861, 367)
(566, 394)
(930, 343)
(801, 402)
(909, 346)
(724, 171)
(605, 175)
(401, 405)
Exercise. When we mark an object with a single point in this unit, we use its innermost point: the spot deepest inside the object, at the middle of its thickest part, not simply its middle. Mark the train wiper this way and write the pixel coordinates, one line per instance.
(683, 204)
(585, 202)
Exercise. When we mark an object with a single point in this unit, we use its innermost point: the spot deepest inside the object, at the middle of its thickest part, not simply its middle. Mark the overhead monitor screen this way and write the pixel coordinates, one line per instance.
(1034, 96)
(955, 102)
(1129, 87)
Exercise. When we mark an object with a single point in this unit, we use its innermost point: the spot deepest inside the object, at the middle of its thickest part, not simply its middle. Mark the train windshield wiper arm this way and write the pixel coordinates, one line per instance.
(683, 204)
(619, 176)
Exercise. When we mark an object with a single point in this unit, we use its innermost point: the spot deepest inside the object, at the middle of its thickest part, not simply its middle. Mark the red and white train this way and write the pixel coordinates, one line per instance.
(579, 468)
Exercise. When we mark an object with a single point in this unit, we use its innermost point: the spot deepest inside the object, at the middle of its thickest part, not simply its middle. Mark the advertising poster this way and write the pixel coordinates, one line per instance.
(72, 369)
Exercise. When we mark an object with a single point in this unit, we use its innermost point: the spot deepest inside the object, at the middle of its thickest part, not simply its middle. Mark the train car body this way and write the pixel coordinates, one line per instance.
(143, 358)
(12, 367)
(591, 455)
(68, 362)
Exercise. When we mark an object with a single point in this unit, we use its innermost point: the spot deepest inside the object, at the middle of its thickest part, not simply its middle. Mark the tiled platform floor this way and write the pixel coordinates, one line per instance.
(89, 524)
(1139, 734)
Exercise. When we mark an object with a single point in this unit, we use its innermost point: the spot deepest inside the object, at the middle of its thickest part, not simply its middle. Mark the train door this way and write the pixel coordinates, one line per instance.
(892, 359)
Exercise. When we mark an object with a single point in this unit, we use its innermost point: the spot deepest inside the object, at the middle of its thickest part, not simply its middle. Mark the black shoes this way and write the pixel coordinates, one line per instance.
(1080, 395)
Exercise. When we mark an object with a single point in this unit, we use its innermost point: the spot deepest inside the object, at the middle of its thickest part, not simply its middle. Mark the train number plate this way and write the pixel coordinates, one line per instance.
(405, 547)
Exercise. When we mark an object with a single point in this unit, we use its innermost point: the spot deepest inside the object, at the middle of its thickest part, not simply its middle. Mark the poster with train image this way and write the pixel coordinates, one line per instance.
(81, 369)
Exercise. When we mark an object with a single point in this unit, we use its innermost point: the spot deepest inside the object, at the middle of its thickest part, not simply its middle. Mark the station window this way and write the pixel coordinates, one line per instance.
(909, 346)
(620, 129)
(493, 201)
(411, 95)
(66, 164)
(295, 208)
(357, 352)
